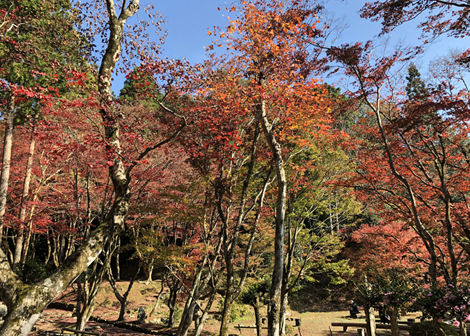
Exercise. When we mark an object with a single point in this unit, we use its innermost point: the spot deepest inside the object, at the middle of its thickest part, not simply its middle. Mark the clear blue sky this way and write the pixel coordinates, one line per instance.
(187, 23)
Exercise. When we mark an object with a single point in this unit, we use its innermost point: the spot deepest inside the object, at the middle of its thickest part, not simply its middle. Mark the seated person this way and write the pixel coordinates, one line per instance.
(384, 318)
(354, 310)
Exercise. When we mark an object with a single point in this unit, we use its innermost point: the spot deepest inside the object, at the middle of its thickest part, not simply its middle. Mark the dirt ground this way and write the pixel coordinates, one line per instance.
(107, 307)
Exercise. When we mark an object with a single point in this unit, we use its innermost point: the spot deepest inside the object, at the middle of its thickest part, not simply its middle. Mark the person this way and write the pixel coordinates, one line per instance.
(384, 318)
(354, 310)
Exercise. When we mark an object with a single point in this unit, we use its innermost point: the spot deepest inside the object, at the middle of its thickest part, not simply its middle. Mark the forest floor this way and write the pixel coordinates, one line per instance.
(313, 323)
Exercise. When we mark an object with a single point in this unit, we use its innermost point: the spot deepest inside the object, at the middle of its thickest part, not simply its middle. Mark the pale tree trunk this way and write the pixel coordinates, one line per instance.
(26, 302)
(282, 314)
(370, 320)
(85, 314)
(27, 178)
(80, 296)
(29, 233)
(230, 239)
(286, 288)
(274, 304)
(190, 307)
(197, 289)
(118, 262)
(191, 302)
(157, 298)
(148, 270)
(6, 161)
(463, 329)
(91, 285)
(232, 291)
(200, 324)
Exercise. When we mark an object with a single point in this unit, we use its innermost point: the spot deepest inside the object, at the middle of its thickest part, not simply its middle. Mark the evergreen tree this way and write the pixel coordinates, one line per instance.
(139, 86)
(415, 88)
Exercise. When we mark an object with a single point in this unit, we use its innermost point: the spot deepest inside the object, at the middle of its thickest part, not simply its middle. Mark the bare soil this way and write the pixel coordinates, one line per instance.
(314, 323)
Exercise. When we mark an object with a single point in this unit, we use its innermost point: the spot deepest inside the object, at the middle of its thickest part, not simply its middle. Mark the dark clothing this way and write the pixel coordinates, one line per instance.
(384, 318)
(354, 310)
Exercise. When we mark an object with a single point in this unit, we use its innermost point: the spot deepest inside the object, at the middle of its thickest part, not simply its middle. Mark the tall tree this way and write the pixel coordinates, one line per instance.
(421, 143)
(26, 302)
(276, 46)
(415, 87)
(38, 46)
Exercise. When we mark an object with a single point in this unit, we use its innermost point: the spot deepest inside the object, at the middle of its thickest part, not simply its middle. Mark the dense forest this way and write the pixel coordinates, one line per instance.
(249, 175)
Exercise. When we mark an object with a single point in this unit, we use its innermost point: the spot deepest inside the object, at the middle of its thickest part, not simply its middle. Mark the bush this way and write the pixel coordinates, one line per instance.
(290, 330)
(238, 311)
(31, 271)
(426, 328)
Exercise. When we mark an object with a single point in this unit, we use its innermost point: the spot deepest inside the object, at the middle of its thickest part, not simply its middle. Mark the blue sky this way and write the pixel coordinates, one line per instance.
(187, 23)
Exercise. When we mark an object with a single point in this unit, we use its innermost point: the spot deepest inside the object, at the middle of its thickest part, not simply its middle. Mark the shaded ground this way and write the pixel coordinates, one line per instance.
(107, 307)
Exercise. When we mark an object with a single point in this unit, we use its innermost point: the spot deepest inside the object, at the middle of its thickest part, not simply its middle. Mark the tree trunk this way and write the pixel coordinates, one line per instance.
(118, 262)
(463, 329)
(121, 298)
(78, 307)
(6, 161)
(224, 323)
(172, 302)
(157, 300)
(26, 302)
(394, 321)
(259, 325)
(200, 324)
(274, 304)
(282, 314)
(370, 320)
(91, 285)
(22, 216)
(86, 313)
(191, 303)
(27, 239)
(148, 273)
(188, 314)
(437, 326)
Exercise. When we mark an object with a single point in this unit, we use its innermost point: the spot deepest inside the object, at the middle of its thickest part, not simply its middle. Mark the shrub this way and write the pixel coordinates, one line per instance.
(31, 271)
(238, 311)
(427, 328)
(290, 330)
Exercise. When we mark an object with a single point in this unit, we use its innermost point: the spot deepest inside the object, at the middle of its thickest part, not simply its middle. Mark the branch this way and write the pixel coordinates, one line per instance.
(398, 240)
(447, 3)
(184, 123)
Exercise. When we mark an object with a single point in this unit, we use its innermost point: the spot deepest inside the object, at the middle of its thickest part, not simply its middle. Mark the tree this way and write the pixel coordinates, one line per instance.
(316, 212)
(423, 166)
(228, 152)
(415, 88)
(396, 12)
(36, 59)
(276, 46)
(255, 296)
(393, 261)
(25, 302)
